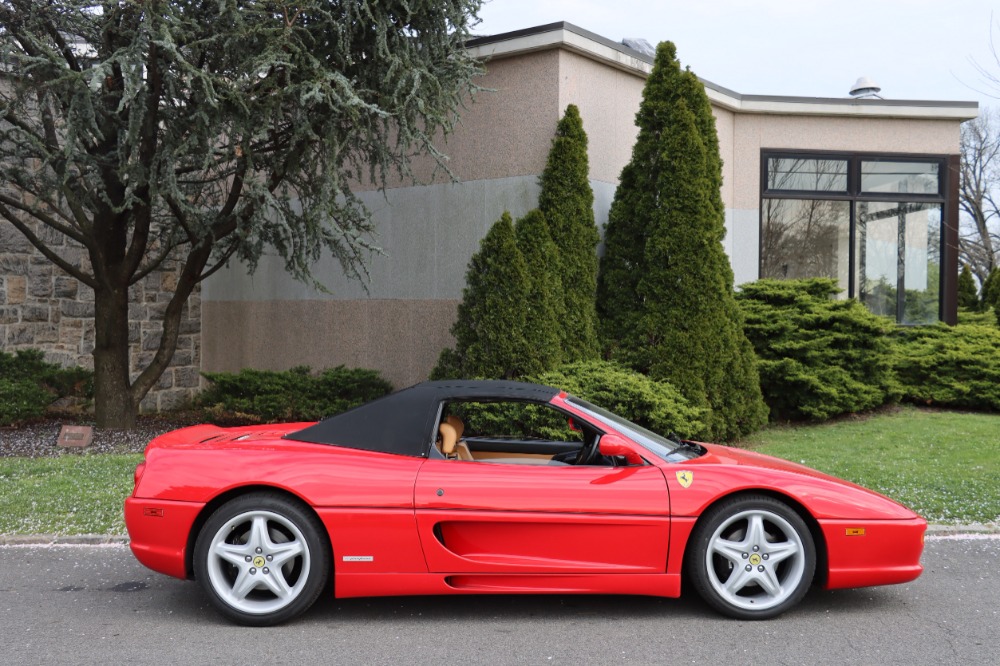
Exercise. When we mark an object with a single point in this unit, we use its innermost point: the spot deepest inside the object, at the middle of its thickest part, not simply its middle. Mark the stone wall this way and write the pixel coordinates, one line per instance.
(41, 307)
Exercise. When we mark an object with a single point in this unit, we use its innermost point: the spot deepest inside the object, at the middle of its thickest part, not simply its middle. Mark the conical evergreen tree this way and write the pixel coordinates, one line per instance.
(544, 308)
(968, 295)
(990, 293)
(490, 332)
(665, 292)
(567, 201)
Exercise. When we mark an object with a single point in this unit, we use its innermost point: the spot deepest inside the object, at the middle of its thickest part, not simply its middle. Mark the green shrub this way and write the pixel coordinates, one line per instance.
(976, 317)
(267, 396)
(30, 364)
(30, 384)
(22, 400)
(655, 405)
(950, 366)
(818, 357)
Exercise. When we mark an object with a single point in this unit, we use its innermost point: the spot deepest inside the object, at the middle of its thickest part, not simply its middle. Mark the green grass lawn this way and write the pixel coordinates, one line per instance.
(71, 494)
(944, 465)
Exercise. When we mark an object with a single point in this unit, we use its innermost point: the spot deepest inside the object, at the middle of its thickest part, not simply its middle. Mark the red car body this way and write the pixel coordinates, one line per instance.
(407, 525)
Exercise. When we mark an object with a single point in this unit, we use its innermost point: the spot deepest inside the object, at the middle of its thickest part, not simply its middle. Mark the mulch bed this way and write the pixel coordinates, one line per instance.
(38, 439)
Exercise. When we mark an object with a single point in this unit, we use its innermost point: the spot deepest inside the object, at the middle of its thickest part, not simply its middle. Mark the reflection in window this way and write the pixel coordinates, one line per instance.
(805, 238)
(899, 259)
(872, 222)
(899, 177)
(811, 175)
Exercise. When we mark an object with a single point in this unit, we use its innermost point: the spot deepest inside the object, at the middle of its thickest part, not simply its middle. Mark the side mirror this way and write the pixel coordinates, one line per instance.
(614, 445)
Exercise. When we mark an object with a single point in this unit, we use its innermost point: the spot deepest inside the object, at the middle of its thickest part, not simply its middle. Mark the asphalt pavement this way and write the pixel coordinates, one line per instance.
(94, 604)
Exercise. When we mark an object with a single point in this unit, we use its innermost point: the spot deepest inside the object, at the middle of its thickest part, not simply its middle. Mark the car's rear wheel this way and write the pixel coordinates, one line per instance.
(262, 558)
(751, 557)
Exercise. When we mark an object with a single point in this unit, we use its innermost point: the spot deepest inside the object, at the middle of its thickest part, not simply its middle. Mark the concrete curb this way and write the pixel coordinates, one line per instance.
(968, 528)
(56, 540)
(111, 539)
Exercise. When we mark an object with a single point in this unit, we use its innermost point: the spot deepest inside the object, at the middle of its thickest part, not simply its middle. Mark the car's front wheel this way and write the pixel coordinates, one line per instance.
(262, 558)
(751, 557)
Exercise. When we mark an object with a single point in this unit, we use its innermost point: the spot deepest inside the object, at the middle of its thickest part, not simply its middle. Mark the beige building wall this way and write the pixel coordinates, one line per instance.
(608, 99)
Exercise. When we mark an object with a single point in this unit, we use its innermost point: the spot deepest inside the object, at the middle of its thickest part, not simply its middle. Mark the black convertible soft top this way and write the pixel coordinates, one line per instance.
(403, 422)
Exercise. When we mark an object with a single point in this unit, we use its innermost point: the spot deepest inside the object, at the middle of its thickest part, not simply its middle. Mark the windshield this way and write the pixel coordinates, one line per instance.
(667, 449)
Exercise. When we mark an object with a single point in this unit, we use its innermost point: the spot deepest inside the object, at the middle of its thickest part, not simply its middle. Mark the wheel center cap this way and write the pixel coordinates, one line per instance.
(259, 561)
(755, 559)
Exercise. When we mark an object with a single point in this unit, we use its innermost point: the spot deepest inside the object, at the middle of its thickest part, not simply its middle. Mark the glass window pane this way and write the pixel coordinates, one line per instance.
(878, 257)
(900, 177)
(899, 248)
(811, 175)
(806, 238)
(922, 264)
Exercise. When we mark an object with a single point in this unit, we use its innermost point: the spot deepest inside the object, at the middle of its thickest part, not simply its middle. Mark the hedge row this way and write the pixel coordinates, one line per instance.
(266, 396)
(950, 366)
(818, 357)
(821, 357)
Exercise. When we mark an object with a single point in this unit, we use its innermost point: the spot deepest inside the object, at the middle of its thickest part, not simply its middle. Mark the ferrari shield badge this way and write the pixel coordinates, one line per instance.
(685, 478)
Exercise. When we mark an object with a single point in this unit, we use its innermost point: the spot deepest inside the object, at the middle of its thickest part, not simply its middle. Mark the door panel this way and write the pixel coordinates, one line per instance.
(476, 517)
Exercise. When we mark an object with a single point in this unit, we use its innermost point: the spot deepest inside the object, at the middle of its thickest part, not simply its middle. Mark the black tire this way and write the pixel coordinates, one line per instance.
(751, 557)
(262, 559)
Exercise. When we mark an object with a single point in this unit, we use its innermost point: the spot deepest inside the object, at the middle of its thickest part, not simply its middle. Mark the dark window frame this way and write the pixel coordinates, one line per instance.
(855, 195)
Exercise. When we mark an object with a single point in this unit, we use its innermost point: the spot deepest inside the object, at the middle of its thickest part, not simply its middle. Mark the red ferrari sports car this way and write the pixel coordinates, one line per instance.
(474, 487)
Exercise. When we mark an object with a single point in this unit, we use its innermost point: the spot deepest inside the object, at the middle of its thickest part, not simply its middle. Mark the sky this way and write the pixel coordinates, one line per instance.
(913, 49)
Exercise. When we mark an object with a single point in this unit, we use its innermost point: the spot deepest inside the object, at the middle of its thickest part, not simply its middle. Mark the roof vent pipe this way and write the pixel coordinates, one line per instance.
(640, 45)
(865, 88)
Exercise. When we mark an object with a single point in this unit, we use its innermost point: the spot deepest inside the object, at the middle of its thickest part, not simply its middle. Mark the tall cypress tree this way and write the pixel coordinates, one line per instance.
(567, 201)
(490, 338)
(665, 292)
(544, 308)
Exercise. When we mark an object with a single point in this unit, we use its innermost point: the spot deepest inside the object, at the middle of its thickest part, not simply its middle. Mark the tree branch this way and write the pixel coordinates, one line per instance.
(196, 260)
(45, 219)
(44, 249)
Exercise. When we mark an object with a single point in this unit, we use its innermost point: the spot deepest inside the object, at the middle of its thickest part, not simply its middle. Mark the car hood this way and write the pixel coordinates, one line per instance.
(727, 455)
(825, 495)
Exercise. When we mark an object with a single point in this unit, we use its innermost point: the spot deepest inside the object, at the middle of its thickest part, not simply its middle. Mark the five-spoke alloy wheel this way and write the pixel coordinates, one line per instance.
(751, 557)
(262, 559)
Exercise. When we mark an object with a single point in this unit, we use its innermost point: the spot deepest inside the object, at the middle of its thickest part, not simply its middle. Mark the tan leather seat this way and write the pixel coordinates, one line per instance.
(449, 438)
(451, 444)
(456, 423)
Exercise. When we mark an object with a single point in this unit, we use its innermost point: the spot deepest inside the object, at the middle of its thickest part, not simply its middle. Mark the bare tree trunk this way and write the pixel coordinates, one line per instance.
(115, 407)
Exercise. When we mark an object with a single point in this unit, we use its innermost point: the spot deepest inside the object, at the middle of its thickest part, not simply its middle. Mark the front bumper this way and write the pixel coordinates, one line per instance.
(159, 530)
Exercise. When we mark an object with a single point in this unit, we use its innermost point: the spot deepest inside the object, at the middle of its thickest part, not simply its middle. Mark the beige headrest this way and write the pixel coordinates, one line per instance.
(456, 423)
(449, 437)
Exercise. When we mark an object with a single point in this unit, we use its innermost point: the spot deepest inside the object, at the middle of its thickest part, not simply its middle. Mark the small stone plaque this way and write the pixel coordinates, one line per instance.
(75, 437)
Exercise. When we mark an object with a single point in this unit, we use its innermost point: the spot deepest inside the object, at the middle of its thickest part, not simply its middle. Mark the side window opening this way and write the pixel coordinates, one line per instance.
(521, 433)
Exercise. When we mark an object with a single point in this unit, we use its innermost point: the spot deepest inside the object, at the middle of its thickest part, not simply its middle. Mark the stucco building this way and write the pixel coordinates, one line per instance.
(863, 190)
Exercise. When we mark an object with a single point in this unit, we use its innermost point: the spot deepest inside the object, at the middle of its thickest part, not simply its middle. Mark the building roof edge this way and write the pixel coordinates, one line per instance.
(563, 34)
